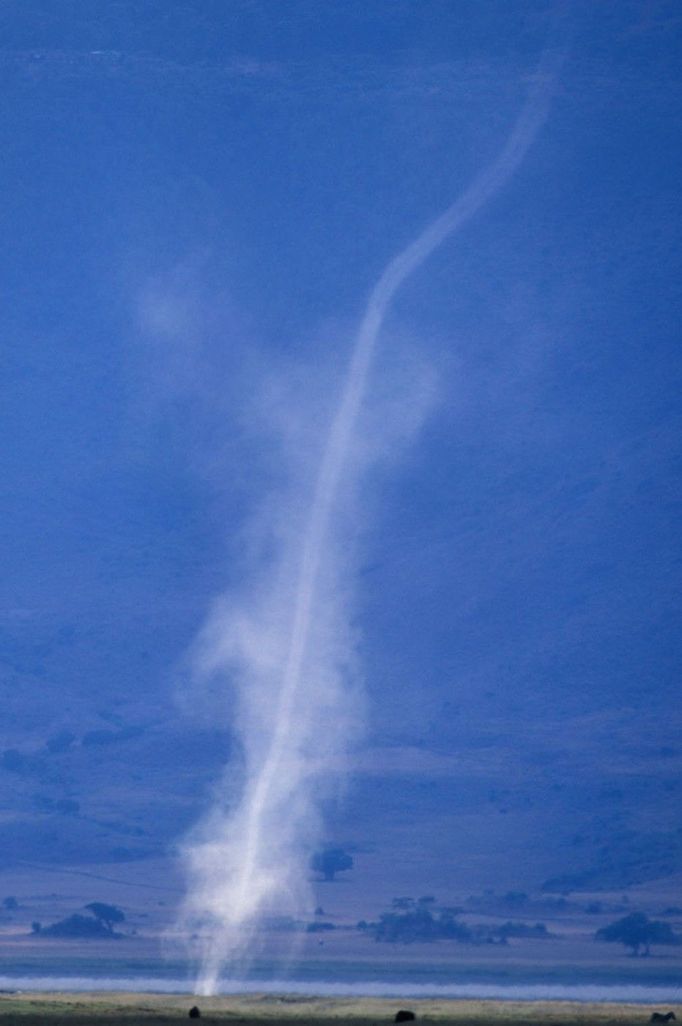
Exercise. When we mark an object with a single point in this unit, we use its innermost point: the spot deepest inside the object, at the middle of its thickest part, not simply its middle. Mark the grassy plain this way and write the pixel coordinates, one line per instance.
(128, 1009)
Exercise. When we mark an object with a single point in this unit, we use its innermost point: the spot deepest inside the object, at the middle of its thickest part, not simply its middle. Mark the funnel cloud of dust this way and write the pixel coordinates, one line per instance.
(286, 646)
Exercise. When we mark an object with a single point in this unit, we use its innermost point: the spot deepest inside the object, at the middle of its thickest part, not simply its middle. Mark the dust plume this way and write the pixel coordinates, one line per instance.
(286, 641)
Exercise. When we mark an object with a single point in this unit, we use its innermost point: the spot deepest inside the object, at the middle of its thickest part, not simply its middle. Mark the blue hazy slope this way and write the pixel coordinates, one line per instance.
(198, 196)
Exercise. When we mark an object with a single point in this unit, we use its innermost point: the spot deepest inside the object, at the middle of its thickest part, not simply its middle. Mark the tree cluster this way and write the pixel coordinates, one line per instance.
(419, 923)
(76, 926)
(99, 924)
(421, 920)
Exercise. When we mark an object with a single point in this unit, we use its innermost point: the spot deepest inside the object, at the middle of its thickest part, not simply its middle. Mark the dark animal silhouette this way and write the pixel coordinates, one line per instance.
(404, 1016)
(662, 1017)
(194, 1012)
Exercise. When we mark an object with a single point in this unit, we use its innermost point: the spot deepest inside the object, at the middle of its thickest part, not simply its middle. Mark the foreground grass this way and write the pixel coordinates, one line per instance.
(128, 1009)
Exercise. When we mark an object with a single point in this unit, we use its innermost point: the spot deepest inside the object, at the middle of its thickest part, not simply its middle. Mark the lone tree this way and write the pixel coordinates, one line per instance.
(638, 931)
(330, 862)
(108, 915)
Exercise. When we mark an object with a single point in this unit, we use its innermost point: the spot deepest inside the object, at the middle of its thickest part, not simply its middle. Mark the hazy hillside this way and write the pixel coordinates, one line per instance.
(582, 804)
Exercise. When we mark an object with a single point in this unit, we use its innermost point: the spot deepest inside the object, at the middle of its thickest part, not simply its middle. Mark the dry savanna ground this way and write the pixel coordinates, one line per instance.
(128, 1009)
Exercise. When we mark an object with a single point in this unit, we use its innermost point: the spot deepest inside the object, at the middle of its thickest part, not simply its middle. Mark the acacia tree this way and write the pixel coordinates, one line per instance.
(331, 861)
(637, 931)
(108, 915)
